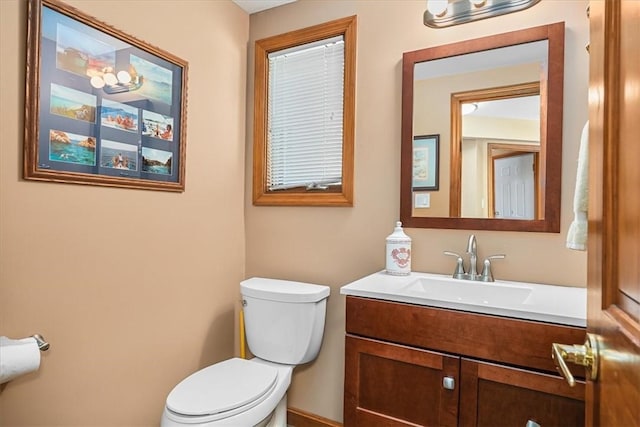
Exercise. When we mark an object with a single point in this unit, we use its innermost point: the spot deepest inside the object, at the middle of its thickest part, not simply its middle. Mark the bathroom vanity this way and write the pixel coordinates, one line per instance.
(464, 358)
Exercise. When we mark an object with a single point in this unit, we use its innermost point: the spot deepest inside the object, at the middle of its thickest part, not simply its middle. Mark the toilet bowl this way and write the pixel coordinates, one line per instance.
(284, 322)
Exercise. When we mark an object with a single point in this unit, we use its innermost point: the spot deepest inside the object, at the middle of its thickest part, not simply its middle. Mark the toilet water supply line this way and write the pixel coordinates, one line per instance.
(242, 342)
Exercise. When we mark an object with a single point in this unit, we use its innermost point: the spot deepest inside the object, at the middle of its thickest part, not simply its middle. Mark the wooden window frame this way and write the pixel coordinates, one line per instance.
(343, 196)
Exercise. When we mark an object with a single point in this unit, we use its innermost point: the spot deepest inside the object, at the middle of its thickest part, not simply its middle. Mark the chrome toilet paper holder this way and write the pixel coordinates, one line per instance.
(42, 344)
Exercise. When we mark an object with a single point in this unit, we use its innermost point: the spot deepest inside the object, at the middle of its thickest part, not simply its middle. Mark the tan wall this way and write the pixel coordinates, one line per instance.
(133, 289)
(334, 246)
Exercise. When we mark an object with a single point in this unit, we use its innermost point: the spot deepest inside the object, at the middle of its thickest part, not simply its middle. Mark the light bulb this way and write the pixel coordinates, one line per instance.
(124, 77)
(110, 79)
(469, 108)
(97, 82)
(437, 7)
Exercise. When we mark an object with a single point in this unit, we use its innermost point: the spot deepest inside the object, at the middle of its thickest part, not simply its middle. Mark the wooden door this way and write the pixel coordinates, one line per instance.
(514, 186)
(613, 399)
(493, 395)
(395, 385)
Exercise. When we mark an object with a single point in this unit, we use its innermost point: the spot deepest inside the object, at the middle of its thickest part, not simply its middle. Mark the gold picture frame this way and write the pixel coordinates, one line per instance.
(101, 107)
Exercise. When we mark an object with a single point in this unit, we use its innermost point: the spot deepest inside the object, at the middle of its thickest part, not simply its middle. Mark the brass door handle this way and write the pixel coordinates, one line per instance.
(584, 355)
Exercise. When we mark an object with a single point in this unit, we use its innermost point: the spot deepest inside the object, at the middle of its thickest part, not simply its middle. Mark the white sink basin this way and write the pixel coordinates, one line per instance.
(532, 301)
(466, 291)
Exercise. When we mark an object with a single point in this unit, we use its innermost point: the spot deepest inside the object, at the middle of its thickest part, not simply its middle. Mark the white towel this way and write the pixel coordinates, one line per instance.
(577, 235)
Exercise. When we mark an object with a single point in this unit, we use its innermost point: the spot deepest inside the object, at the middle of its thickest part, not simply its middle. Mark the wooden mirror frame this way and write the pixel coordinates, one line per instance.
(551, 106)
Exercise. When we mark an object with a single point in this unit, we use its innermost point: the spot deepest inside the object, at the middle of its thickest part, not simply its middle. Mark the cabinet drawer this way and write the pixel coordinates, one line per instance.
(505, 340)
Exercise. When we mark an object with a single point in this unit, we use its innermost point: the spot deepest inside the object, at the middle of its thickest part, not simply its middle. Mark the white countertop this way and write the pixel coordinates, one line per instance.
(531, 301)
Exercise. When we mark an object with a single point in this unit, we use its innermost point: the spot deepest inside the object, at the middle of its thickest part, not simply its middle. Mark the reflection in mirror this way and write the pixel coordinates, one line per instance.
(512, 171)
(496, 183)
(519, 72)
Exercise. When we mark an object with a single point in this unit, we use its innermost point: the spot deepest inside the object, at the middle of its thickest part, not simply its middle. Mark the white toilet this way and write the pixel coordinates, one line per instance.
(284, 324)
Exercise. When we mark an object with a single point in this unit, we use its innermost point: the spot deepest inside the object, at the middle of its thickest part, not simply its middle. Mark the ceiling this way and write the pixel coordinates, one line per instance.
(253, 6)
(522, 107)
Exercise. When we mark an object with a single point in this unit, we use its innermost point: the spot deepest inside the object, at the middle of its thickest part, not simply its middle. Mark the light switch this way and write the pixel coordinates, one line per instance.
(422, 200)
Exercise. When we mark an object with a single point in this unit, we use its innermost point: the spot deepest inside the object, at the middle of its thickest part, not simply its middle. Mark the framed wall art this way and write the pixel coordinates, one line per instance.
(425, 175)
(101, 107)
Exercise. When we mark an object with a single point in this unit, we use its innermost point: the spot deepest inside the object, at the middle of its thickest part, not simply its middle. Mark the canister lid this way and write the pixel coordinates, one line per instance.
(398, 234)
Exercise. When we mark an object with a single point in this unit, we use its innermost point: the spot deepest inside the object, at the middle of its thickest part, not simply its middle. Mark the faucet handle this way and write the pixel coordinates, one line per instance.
(459, 271)
(487, 276)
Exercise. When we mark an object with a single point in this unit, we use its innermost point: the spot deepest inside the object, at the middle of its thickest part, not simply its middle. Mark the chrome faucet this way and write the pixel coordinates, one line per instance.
(472, 274)
(472, 250)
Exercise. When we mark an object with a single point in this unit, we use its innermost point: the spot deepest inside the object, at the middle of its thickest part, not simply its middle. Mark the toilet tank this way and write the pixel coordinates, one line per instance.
(284, 320)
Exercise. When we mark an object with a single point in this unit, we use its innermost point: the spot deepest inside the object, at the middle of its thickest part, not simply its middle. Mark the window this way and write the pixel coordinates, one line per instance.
(304, 104)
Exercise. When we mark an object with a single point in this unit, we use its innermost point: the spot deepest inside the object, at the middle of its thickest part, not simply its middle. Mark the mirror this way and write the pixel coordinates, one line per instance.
(520, 70)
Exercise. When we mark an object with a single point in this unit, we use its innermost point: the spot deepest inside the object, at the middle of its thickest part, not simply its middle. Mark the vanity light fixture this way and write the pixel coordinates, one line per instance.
(446, 13)
(110, 79)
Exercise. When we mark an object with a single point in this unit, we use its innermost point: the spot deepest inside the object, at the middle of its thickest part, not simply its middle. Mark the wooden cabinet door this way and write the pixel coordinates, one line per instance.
(495, 395)
(395, 385)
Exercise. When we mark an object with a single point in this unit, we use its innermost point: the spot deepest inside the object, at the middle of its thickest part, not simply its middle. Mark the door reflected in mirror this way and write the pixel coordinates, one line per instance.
(496, 103)
(513, 191)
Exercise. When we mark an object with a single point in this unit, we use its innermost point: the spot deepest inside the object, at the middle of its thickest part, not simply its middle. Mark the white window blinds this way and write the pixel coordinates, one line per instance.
(305, 115)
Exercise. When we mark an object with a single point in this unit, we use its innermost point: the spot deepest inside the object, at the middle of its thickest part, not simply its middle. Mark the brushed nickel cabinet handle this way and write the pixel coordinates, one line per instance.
(449, 383)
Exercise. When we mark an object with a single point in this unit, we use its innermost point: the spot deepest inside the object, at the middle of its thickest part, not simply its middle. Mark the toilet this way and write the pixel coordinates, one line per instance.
(284, 324)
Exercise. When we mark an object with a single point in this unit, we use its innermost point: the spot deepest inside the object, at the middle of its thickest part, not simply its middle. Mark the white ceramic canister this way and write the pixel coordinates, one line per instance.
(398, 252)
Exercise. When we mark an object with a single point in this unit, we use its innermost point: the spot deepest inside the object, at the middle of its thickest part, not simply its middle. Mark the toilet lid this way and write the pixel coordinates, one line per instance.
(222, 387)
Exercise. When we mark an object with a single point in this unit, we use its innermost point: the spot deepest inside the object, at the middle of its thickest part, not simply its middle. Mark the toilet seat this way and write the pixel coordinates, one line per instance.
(251, 414)
(223, 390)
